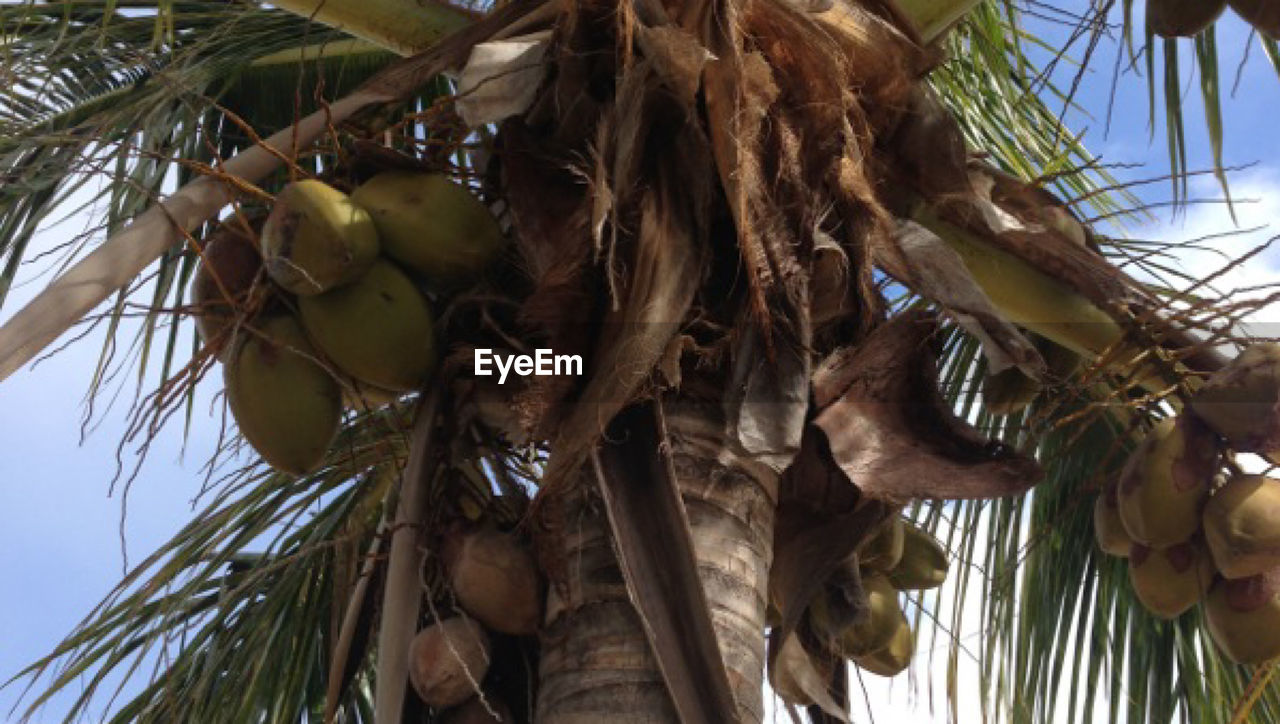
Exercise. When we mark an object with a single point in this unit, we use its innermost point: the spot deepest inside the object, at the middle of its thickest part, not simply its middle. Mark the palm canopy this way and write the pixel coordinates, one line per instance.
(149, 96)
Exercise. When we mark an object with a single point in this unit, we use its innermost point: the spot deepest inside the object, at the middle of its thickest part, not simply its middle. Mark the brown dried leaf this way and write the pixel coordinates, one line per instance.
(892, 433)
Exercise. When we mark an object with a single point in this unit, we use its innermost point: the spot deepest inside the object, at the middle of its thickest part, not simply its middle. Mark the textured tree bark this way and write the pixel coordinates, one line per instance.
(596, 662)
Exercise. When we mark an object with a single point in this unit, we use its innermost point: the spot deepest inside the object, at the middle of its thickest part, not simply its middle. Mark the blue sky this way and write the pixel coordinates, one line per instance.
(60, 545)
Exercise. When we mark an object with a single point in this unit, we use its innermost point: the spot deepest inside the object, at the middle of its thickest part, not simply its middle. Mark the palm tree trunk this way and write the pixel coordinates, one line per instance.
(596, 662)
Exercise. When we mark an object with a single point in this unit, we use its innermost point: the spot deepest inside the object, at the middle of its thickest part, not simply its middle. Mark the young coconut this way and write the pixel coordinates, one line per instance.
(883, 549)
(230, 264)
(1242, 526)
(895, 656)
(495, 580)
(1264, 15)
(447, 662)
(841, 603)
(874, 631)
(1170, 581)
(1182, 18)
(287, 406)
(1011, 390)
(1244, 617)
(315, 239)
(1242, 400)
(1109, 530)
(924, 562)
(431, 225)
(1165, 483)
(378, 329)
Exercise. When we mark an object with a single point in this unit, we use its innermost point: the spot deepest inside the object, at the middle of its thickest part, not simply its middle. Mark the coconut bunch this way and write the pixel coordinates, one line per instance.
(1190, 540)
(324, 302)
(858, 615)
(461, 667)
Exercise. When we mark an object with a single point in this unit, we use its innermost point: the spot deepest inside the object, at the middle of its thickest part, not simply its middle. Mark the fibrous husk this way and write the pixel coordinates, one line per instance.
(895, 656)
(1108, 529)
(1242, 400)
(495, 580)
(1242, 526)
(1169, 581)
(875, 631)
(475, 711)
(447, 662)
(884, 549)
(1244, 617)
(1182, 18)
(378, 330)
(286, 405)
(1165, 482)
(316, 239)
(431, 225)
(1261, 14)
(924, 562)
(803, 680)
(928, 147)
(230, 264)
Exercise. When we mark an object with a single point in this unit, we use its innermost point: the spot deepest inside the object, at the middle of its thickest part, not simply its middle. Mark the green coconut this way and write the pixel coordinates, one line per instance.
(358, 396)
(378, 329)
(495, 580)
(1261, 14)
(923, 564)
(895, 656)
(1108, 529)
(1182, 18)
(431, 225)
(1244, 617)
(315, 239)
(1011, 390)
(1170, 581)
(230, 265)
(883, 550)
(447, 662)
(1242, 526)
(286, 405)
(874, 631)
(841, 603)
(1166, 481)
(1242, 400)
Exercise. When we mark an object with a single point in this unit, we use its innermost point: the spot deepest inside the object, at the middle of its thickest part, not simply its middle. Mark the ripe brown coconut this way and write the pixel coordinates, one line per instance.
(924, 562)
(1264, 15)
(1109, 530)
(286, 405)
(884, 549)
(230, 264)
(873, 632)
(1182, 18)
(1166, 482)
(1244, 617)
(895, 656)
(431, 225)
(315, 239)
(447, 662)
(1242, 526)
(494, 579)
(1242, 400)
(1170, 581)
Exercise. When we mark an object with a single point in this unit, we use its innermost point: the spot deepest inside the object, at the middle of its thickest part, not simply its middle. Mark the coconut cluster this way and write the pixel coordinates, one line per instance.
(858, 614)
(494, 584)
(1186, 18)
(323, 303)
(1190, 539)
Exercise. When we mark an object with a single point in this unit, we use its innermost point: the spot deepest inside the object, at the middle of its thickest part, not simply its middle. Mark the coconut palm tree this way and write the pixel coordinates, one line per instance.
(794, 244)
